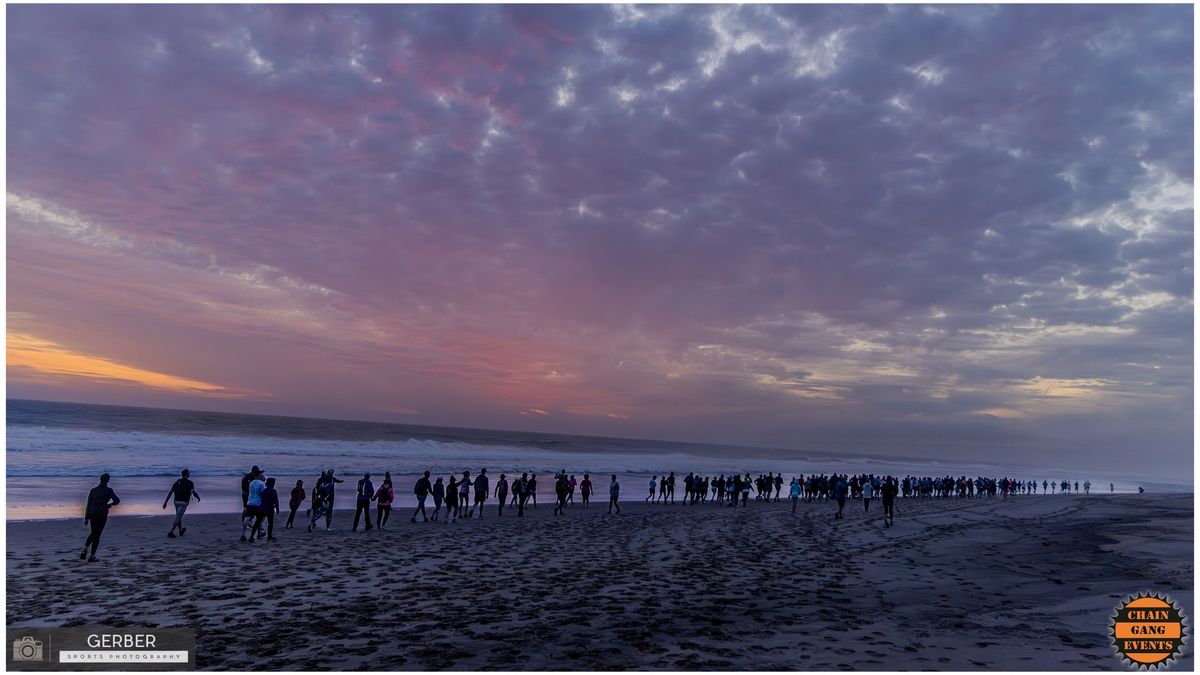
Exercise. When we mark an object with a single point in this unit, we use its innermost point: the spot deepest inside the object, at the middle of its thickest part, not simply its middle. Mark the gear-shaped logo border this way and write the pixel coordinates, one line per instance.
(1185, 632)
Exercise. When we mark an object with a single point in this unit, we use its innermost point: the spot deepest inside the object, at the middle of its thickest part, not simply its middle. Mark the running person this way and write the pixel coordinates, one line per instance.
(653, 486)
(868, 492)
(95, 513)
(183, 490)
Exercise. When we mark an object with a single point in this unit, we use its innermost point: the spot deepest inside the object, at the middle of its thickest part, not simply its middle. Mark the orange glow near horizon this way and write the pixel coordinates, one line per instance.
(50, 358)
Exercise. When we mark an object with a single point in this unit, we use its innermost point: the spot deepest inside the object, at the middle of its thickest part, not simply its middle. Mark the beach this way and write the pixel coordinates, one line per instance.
(1027, 583)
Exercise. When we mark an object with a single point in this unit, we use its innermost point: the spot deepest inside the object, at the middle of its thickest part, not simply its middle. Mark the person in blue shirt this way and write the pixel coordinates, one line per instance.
(839, 494)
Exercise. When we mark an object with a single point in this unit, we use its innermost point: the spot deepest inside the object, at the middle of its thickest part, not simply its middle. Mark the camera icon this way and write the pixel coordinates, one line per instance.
(27, 649)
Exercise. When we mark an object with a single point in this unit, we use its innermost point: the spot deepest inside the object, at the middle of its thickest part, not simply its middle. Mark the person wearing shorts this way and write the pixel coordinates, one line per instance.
(182, 490)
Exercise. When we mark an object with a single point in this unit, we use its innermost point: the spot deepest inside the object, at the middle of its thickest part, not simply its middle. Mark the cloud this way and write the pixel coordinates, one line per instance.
(744, 224)
(34, 358)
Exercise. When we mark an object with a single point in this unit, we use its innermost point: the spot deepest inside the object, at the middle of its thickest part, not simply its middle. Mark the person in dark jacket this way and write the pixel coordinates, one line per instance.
(99, 501)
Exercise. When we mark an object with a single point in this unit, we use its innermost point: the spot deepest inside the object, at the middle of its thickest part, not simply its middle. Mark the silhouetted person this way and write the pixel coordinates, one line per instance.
(889, 490)
(614, 495)
(270, 507)
(501, 494)
(585, 489)
(95, 513)
(383, 502)
(362, 504)
(421, 490)
(481, 493)
(294, 504)
(182, 490)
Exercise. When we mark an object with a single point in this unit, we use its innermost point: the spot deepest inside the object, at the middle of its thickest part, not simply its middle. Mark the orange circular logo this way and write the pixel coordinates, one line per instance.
(1148, 630)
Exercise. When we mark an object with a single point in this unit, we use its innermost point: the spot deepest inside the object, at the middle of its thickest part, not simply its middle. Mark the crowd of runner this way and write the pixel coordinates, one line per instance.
(451, 498)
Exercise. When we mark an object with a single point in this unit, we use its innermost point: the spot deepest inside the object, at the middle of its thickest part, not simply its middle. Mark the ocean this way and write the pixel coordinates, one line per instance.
(56, 450)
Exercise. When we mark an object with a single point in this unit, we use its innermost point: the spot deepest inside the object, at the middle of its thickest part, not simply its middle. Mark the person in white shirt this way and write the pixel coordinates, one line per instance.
(254, 505)
(653, 486)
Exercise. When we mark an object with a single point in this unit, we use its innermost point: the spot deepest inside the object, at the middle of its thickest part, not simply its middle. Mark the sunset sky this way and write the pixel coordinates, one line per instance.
(954, 230)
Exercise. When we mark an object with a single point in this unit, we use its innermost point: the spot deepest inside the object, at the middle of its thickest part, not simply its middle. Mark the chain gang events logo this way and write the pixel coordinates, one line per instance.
(1148, 631)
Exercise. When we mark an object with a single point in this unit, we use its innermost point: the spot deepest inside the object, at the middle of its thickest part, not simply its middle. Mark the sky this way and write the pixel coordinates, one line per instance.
(956, 231)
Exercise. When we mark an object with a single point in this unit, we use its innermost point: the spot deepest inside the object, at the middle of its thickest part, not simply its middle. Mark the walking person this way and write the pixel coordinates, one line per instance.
(839, 495)
(383, 503)
(585, 490)
(182, 490)
(331, 485)
(890, 490)
(794, 493)
(501, 494)
(421, 490)
(451, 501)
(560, 493)
(614, 494)
(653, 485)
(464, 495)
(532, 491)
(439, 498)
(481, 492)
(95, 514)
(270, 507)
(522, 494)
(362, 502)
(320, 501)
(294, 503)
(868, 492)
(571, 485)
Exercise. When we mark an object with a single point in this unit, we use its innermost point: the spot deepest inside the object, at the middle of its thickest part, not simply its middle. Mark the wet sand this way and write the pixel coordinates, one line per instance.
(1024, 584)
